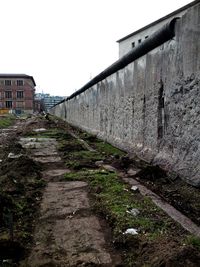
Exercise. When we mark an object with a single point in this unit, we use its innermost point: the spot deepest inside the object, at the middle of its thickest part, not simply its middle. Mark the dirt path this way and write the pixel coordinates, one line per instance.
(82, 187)
(67, 232)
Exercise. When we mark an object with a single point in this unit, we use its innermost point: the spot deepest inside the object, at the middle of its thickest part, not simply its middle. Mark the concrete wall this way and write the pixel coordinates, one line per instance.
(150, 107)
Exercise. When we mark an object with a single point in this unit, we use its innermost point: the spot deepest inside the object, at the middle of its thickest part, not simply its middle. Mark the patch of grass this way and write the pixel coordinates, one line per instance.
(114, 199)
(108, 149)
(194, 241)
(66, 146)
(77, 160)
(50, 133)
(85, 154)
(6, 121)
(100, 145)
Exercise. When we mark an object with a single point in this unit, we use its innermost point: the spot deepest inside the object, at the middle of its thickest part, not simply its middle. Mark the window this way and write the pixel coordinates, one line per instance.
(8, 82)
(20, 82)
(133, 44)
(8, 94)
(146, 36)
(8, 104)
(19, 104)
(20, 94)
(139, 41)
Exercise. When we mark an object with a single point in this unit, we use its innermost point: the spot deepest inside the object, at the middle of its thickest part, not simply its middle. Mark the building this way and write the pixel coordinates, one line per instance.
(48, 101)
(16, 93)
(127, 43)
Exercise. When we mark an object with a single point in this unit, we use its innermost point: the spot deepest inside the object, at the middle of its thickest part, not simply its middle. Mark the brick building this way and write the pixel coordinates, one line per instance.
(16, 93)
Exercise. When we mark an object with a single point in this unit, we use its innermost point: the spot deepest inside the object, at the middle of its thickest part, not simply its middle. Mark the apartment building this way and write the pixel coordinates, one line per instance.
(16, 93)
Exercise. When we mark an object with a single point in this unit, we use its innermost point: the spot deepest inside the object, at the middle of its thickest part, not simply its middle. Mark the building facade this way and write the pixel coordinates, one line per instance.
(16, 93)
(133, 40)
(47, 101)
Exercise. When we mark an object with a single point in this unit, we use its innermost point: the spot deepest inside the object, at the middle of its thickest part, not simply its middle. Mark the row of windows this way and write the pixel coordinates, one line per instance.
(9, 104)
(9, 94)
(139, 42)
(10, 82)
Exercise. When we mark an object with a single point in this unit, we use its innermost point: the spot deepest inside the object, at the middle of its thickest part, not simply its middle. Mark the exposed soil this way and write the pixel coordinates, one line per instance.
(47, 220)
(181, 195)
(20, 191)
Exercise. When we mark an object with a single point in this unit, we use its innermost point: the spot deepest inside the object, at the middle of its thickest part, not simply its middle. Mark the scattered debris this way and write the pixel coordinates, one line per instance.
(14, 156)
(134, 188)
(99, 163)
(109, 168)
(131, 231)
(39, 130)
(133, 212)
(132, 172)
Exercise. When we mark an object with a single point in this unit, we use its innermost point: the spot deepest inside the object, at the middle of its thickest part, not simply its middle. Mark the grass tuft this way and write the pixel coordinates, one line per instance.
(6, 121)
(194, 241)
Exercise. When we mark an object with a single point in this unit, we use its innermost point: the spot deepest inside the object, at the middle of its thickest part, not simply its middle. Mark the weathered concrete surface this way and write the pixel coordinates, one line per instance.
(151, 107)
(67, 232)
(43, 149)
(64, 237)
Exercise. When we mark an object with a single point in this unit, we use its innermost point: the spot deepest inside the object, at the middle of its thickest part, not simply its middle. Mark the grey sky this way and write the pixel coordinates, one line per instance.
(63, 43)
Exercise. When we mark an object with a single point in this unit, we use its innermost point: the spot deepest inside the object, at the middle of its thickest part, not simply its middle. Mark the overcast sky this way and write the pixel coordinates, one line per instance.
(64, 43)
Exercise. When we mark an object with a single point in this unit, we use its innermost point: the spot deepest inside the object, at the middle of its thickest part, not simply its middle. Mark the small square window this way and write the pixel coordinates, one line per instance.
(20, 94)
(8, 104)
(139, 41)
(20, 82)
(19, 104)
(8, 94)
(8, 82)
(146, 36)
(133, 44)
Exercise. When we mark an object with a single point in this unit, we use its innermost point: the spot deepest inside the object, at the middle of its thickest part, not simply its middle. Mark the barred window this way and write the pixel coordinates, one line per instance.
(8, 104)
(8, 82)
(8, 94)
(20, 82)
(20, 94)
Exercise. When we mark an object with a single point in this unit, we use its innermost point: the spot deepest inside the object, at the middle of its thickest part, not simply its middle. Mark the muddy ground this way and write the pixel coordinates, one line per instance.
(65, 205)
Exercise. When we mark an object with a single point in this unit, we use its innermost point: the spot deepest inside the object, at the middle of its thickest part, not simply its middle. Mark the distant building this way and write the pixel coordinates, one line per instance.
(16, 93)
(127, 43)
(48, 101)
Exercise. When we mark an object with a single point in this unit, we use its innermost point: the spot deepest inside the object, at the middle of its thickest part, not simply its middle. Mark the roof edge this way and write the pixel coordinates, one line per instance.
(16, 75)
(159, 20)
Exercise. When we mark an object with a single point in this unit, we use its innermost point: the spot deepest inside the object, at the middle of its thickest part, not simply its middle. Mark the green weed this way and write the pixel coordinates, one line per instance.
(6, 121)
(194, 241)
(114, 199)
(108, 149)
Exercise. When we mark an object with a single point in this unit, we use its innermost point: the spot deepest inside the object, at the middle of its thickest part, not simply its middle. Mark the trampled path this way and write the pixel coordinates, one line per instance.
(67, 232)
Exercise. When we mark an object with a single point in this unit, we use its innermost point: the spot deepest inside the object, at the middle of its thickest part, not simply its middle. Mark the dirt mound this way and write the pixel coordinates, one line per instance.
(152, 173)
(20, 191)
(22, 167)
(10, 250)
(166, 254)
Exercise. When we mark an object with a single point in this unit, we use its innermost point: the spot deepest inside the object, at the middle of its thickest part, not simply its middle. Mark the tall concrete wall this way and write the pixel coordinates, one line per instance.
(151, 107)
